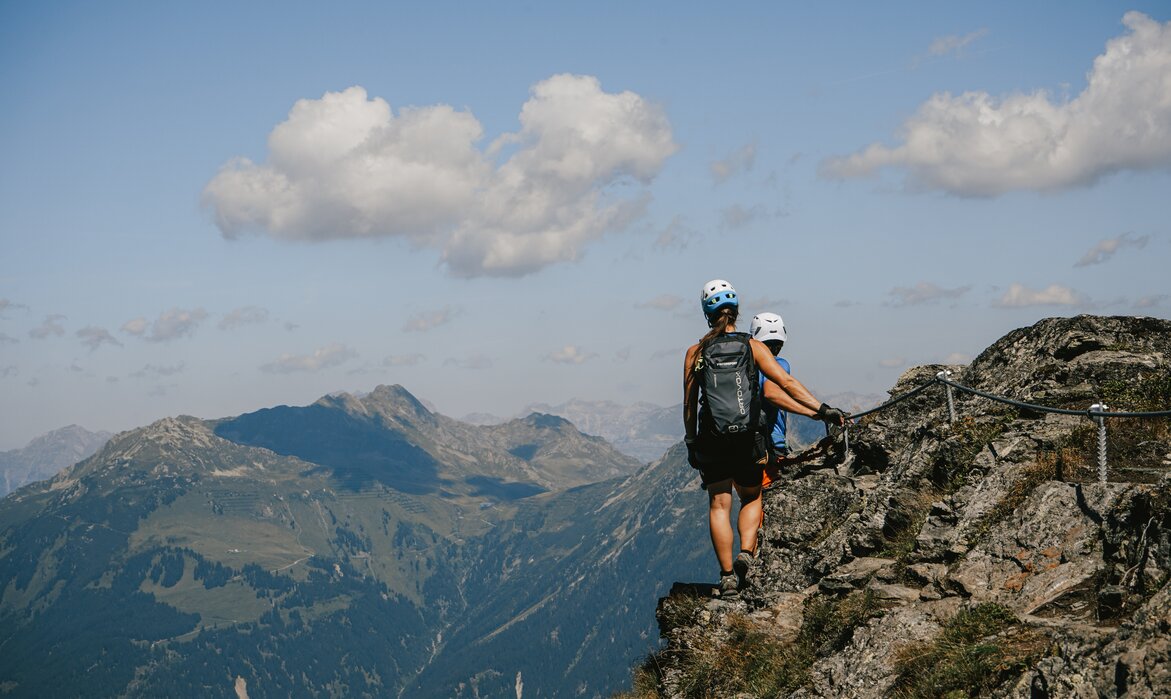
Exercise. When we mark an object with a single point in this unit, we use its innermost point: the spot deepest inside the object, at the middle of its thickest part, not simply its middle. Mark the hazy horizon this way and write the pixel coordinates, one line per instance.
(218, 208)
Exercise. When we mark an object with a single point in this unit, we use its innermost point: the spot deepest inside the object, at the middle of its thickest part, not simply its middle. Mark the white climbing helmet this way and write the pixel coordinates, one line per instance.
(717, 294)
(768, 326)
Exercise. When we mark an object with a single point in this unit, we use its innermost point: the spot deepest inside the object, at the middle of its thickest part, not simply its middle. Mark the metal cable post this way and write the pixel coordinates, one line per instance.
(951, 405)
(1101, 420)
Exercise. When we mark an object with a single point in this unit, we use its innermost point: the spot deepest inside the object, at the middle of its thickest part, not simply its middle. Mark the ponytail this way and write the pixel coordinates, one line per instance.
(719, 324)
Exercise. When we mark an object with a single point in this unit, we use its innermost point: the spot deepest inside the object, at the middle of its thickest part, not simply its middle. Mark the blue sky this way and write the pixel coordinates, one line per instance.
(211, 208)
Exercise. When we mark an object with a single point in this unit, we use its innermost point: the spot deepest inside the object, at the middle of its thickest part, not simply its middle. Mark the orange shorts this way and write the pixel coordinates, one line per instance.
(770, 473)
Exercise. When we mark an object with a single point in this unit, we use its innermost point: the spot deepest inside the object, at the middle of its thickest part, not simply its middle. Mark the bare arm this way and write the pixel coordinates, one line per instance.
(774, 395)
(781, 378)
(690, 394)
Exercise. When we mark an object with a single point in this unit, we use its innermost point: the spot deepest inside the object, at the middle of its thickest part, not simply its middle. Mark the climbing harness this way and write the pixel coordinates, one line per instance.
(1098, 412)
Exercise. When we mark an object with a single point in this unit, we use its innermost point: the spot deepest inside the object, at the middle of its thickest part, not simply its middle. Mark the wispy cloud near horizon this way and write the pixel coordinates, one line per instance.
(742, 160)
(245, 315)
(402, 360)
(954, 43)
(326, 357)
(427, 320)
(170, 325)
(1105, 249)
(1021, 296)
(49, 327)
(662, 302)
(94, 337)
(570, 354)
(924, 292)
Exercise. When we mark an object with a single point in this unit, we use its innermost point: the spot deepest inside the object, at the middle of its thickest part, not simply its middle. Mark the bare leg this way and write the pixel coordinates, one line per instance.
(719, 497)
(751, 517)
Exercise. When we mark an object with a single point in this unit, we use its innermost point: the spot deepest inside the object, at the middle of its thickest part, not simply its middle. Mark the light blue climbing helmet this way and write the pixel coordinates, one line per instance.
(717, 294)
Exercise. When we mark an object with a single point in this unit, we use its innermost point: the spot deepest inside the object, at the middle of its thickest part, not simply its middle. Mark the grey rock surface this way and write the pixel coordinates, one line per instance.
(1001, 509)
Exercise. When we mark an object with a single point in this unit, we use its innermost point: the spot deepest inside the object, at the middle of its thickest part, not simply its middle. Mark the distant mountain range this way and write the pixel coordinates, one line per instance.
(645, 431)
(356, 546)
(46, 455)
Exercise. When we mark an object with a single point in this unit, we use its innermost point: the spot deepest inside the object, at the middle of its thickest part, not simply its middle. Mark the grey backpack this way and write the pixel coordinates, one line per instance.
(729, 401)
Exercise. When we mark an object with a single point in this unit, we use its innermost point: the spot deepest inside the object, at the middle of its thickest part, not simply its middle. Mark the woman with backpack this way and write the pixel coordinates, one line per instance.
(723, 424)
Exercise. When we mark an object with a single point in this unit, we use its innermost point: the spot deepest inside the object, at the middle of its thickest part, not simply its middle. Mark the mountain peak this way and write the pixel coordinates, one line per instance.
(47, 455)
(399, 398)
(546, 421)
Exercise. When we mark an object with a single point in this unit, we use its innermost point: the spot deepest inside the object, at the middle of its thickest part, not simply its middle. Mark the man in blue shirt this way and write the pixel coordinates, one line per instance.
(769, 328)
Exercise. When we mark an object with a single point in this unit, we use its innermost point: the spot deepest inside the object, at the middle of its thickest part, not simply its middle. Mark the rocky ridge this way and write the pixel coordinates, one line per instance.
(47, 455)
(980, 557)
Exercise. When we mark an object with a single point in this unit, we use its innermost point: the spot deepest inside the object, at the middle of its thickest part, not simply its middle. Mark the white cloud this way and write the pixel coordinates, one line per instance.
(674, 352)
(1105, 249)
(924, 292)
(51, 325)
(6, 339)
(978, 145)
(476, 362)
(345, 166)
(170, 325)
(175, 323)
(953, 43)
(158, 370)
(1020, 296)
(737, 216)
(765, 304)
(402, 359)
(740, 161)
(570, 354)
(957, 358)
(662, 302)
(6, 305)
(424, 321)
(245, 315)
(135, 327)
(1151, 301)
(94, 337)
(322, 358)
(676, 235)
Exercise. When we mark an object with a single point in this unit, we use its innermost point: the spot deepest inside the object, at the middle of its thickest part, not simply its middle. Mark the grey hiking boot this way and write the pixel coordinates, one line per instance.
(741, 566)
(729, 586)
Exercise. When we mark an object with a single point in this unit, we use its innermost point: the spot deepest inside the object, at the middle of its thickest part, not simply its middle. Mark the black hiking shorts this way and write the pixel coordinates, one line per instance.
(734, 456)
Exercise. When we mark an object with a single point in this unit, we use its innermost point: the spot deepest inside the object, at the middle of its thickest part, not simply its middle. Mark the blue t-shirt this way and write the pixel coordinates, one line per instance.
(778, 417)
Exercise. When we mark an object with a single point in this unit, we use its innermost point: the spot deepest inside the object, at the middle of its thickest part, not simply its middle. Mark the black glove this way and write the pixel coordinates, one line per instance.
(692, 456)
(831, 416)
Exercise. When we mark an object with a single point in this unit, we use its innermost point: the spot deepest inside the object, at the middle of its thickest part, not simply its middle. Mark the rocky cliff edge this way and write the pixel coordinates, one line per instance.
(980, 557)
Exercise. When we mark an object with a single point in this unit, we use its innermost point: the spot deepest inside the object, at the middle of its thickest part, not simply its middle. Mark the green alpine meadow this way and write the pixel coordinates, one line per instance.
(352, 547)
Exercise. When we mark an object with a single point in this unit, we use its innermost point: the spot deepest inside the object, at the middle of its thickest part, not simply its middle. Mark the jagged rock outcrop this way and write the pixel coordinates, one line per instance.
(982, 556)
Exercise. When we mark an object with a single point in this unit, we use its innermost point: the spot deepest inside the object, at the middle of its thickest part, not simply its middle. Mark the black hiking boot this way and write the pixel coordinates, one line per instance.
(729, 586)
(741, 566)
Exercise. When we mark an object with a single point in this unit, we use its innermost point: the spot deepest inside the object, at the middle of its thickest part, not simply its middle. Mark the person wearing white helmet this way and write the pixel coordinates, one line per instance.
(729, 461)
(770, 329)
